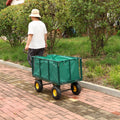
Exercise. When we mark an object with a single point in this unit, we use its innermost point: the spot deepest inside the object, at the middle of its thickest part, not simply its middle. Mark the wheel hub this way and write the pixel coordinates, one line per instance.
(37, 86)
(54, 92)
(74, 88)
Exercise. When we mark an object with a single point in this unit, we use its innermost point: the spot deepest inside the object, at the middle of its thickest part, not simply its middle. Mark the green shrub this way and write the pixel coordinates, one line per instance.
(115, 77)
(8, 27)
(14, 19)
(99, 70)
(90, 75)
(2, 4)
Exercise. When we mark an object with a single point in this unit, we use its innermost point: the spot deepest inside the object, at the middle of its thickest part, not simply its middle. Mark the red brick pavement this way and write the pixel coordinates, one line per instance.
(99, 100)
(21, 105)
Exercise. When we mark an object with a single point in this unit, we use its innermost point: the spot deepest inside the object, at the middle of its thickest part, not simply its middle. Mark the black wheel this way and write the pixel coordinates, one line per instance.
(56, 92)
(38, 85)
(76, 88)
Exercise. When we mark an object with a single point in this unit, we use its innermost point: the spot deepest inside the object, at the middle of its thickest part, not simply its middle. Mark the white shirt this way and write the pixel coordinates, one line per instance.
(38, 29)
(16, 2)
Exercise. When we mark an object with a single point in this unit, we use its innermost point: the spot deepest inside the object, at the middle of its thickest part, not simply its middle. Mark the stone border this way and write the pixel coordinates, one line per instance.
(88, 85)
(16, 65)
(99, 88)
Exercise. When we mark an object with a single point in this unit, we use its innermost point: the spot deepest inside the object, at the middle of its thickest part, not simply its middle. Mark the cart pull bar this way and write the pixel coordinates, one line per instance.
(47, 83)
(65, 90)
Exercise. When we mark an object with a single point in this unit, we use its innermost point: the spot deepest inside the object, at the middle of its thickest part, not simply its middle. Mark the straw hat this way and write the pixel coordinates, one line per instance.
(35, 13)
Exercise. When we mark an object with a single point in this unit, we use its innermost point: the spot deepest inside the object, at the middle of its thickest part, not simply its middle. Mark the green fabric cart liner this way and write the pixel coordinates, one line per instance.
(56, 69)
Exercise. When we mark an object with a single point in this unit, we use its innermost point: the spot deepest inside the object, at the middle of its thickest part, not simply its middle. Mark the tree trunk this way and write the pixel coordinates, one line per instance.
(97, 40)
(53, 39)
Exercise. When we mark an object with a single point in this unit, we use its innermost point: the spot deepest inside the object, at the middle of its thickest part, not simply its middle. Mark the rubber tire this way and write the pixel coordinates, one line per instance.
(58, 92)
(78, 88)
(40, 85)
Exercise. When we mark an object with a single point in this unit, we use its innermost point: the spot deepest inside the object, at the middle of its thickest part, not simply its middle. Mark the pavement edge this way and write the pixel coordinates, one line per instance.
(99, 88)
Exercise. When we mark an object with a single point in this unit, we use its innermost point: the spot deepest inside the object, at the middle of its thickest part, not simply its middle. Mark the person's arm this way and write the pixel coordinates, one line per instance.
(28, 41)
(46, 40)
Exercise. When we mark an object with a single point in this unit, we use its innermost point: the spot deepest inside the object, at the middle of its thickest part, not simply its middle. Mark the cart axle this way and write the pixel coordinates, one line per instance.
(65, 90)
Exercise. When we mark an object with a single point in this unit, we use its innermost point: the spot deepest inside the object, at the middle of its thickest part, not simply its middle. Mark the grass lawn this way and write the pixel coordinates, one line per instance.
(15, 54)
(103, 69)
(78, 46)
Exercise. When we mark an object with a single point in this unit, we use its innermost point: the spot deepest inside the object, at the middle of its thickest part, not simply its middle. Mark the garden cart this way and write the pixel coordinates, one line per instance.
(57, 70)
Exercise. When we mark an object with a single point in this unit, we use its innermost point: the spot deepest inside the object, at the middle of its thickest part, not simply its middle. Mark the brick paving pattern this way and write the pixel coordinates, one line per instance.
(20, 101)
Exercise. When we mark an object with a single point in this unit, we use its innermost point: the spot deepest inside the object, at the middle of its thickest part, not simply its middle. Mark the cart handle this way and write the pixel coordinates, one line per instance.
(80, 65)
(26, 52)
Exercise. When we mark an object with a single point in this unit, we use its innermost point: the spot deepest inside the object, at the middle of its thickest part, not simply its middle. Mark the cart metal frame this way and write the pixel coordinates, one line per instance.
(74, 84)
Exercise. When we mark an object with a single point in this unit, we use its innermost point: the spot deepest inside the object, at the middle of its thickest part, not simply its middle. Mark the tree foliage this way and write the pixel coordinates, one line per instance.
(2, 4)
(97, 17)
(14, 19)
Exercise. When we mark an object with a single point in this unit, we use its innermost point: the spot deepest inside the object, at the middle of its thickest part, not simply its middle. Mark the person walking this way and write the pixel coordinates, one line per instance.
(37, 36)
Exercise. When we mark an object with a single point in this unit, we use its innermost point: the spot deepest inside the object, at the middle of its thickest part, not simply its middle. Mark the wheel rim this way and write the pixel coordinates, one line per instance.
(54, 93)
(74, 88)
(37, 86)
